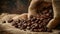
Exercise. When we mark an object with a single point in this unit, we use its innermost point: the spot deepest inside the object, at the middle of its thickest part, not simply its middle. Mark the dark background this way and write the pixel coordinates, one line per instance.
(14, 6)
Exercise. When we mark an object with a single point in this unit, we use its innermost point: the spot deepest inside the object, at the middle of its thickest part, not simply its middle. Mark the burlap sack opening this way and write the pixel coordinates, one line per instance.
(6, 28)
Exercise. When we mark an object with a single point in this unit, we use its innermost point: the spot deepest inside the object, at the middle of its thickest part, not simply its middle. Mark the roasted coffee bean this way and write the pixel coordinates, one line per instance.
(35, 30)
(31, 16)
(25, 21)
(47, 14)
(49, 30)
(16, 26)
(17, 21)
(33, 19)
(4, 22)
(14, 23)
(21, 28)
(38, 18)
(34, 25)
(40, 26)
(39, 22)
(19, 24)
(32, 22)
(25, 24)
(10, 20)
(24, 27)
(28, 27)
(39, 30)
(41, 18)
(28, 24)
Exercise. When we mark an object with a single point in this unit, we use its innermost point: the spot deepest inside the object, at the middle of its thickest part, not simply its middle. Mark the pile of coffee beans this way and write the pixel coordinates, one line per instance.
(36, 23)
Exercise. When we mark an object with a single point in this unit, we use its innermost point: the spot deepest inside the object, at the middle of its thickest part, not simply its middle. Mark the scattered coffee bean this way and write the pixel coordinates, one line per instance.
(4, 22)
(10, 20)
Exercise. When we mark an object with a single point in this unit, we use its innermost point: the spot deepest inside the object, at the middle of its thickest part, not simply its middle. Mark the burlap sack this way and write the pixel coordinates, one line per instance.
(6, 28)
(56, 18)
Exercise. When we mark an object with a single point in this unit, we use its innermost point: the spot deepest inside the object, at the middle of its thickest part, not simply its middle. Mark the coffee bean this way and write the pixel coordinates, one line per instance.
(40, 26)
(45, 11)
(47, 14)
(25, 24)
(39, 30)
(32, 26)
(49, 30)
(10, 20)
(19, 26)
(35, 30)
(41, 18)
(39, 22)
(28, 27)
(4, 22)
(28, 24)
(31, 16)
(33, 19)
(16, 26)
